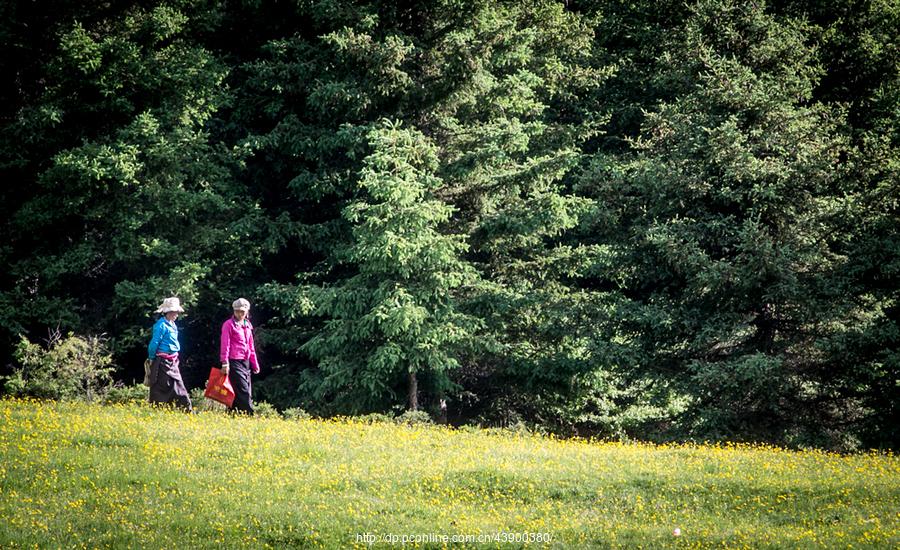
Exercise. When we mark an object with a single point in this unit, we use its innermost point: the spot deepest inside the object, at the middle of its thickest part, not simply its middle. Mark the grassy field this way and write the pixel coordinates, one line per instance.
(75, 475)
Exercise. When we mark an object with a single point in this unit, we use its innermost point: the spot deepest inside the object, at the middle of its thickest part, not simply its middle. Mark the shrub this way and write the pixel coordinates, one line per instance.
(374, 418)
(120, 393)
(295, 413)
(73, 367)
(414, 417)
(265, 410)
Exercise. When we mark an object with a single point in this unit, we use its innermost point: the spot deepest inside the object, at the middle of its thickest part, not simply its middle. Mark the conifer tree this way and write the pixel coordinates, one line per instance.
(721, 227)
(130, 196)
(392, 317)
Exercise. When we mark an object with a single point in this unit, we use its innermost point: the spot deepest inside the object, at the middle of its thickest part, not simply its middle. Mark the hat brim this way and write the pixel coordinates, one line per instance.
(169, 310)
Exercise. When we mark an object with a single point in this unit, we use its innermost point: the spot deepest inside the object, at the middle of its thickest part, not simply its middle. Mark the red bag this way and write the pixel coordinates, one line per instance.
(218, 388)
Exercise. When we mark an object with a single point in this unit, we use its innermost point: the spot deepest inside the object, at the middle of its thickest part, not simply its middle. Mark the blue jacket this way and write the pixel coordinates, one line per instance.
(165, 338)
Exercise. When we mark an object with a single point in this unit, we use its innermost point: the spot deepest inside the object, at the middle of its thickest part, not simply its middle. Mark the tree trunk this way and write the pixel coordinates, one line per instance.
(765, 328)
(413, 391)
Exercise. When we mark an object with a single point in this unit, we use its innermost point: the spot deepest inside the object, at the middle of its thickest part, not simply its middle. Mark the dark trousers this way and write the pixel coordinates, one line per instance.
(239, 376)
(166, 385)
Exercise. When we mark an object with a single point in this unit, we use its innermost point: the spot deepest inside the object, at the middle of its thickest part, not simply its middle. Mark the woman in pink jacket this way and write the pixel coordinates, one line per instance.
(238, 355)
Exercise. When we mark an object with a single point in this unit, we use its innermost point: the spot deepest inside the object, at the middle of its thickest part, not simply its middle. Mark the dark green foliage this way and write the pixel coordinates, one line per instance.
(133, 199)
(629, 219)
(727, 226)
(392, 317)
(860, 51)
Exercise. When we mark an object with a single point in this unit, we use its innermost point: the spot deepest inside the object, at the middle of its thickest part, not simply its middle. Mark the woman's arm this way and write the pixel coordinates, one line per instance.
(154, 341)
(254, 366)
(224, 345)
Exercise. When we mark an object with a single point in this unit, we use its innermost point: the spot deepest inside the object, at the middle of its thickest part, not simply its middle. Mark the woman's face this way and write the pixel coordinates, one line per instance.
(239, 314)
(172, 315)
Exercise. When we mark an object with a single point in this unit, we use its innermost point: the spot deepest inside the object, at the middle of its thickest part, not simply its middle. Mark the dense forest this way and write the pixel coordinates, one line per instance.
(652, 219)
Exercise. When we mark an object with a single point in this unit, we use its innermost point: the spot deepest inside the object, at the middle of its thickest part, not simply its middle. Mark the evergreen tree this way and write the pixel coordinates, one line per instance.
(491, 86)
(394, 318)
(859, 48)
(135, 199)
(720, 227)
(639, 218)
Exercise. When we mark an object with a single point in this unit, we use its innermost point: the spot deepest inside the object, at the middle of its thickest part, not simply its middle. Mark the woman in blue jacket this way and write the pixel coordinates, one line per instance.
(164, 376)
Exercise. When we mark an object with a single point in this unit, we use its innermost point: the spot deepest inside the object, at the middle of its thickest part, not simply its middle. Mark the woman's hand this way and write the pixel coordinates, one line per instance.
(225, 369)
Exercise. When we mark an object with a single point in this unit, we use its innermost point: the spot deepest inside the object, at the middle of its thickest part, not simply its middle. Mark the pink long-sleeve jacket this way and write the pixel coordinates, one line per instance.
(237, 342)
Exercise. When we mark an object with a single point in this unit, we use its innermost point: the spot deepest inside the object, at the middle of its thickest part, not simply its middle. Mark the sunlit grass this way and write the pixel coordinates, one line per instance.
(75, 475)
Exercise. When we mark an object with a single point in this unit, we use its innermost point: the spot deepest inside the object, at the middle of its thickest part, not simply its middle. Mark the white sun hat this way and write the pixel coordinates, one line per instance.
(170, 304)
(241, 304)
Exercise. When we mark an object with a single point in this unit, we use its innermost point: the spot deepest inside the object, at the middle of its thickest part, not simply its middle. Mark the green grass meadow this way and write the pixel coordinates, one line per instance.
(76, 475)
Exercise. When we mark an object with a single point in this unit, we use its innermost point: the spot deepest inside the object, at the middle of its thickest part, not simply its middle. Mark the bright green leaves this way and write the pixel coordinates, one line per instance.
(396, 226)
(81, 49)
(162, 23)
(69, 368)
